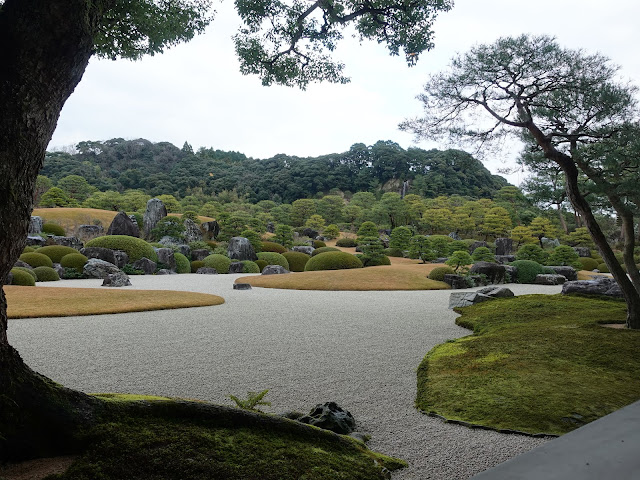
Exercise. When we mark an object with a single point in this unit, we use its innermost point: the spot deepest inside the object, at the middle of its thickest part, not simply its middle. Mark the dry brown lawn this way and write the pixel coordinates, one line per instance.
(30, 302)
(398, 276)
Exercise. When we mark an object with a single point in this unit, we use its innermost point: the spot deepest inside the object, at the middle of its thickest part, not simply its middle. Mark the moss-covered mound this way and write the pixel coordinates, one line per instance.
(136, 248)
(46, 274)
(53, 229)
(29, 271)
(297, 260)
(182, 263)
(74, 260)
(273, 258)
(21, 277)
(438, 273)
(36, 259)
(217, 261)
(319, 244)
(273, 247)
(28, 250)
(56, 252)
(332, 261)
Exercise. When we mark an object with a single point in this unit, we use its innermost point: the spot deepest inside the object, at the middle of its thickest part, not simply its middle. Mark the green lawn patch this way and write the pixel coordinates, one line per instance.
(535, 363)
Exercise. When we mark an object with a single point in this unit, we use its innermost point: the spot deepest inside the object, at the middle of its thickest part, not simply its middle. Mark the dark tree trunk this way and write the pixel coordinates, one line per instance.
(563, 221)
(46, 46)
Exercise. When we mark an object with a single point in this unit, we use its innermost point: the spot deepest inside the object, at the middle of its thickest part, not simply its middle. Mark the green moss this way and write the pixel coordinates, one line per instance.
(297, 260)
(217, 261)
(320, 250)
(332, 261)
(46, 274)
(136, 248)
(182, 263)
(56, 252)
(21, 277)
(36, 259)
(536, 363)
(273, 247)
(273, 258)
(75, 260)
(438, 273)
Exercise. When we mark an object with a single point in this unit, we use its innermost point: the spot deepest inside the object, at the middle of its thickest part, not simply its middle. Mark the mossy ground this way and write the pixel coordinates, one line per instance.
(535, 363)
(30, 302)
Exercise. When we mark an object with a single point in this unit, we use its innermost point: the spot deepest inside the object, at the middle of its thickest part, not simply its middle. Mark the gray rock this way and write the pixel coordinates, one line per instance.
(72, 242)
(475, 245)
(35, 225)
(118, 279)
(330, 416)
(123, 224)
(309, 232)
(20, 263)
(35, 240)
(303, 249)
(583, 251)
(550, 242)
(9, 279)
(439, 260)
(164, 271)
(96, 268)
(212, 229)
(153, 214)
(166, 257)
(168, 241)
(121, 258)
(601, 286)
(146, 265)
(504, 246)
(465, 299)
(207, 271)
(192, 232)
(455, 281)
(242, 286)
(568, 272)
(495, 273)
(101, 253)
(89, 232)
(271, 228)
(455, 236)
(549, 279)
(241, 249)
(236, 267)
(502, 259)
(274, 270)
(511, 273)
(184, 250)
(199, 254)
(496, 292)
(59, 269)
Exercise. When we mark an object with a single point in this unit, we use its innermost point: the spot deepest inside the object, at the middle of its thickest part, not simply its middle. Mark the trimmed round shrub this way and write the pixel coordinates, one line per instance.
(29, 271)
(393, 252)
(528, 270)
(74, 260)
(250, 267)
(346, 242)
(332, 261)
(136, 248)
(564, 255)
(182, 263)
(588, 263)
(217, 261)
(195, 265)
(20, 277)
(53, 229)
(261, 264)
(273, 247)
(319, 244)
(374, 262)
(320, 250)
(603, 267)
(438, 273)
(28, 250)
(297, 260)
(273, 258)
(46, 274)
(36, 259)
(56, 252)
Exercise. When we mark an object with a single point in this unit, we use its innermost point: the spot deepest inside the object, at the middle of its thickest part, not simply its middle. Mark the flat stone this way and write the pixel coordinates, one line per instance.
(465, 299)
(242, 286)
(496, 292)
(549, 279)
(303, 249)
(164, 271)
(207, 271)
(118, 279)
(274, 270)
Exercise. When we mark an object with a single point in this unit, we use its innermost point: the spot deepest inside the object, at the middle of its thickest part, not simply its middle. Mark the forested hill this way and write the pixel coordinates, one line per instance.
(162, 168)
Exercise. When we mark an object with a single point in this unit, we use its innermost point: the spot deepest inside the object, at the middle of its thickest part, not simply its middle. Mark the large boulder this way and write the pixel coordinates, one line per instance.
(153, 214)
(465, 299)
(192, 232)
(118, 279)
(35, 225)
(241, 249)
(504, 246)
(274, 270)
(330, 416)
(199, 254)
(212, 228)
(72, 242)
(89, 232)
(600, 286)
(303, 249)
(550, 279)
(165, 256)
(455, 281)
(496, 292)
(309, 232)
(494, 272)
(146, 265)
(568, 272)
(122, 224)
(96, 268)
(117, 257)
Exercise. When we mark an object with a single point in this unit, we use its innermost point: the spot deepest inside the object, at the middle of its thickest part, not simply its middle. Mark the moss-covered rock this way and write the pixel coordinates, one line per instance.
(297, 260)
(136, 248)
(182, 263)
(46, 274)
(332, 261)
(36, 259)
(56, 252)
(74, 260)
(21, 277)
(273, 258)
(217, 261)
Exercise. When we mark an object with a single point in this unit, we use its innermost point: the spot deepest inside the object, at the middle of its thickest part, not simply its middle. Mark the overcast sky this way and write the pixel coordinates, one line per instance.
(194, 92)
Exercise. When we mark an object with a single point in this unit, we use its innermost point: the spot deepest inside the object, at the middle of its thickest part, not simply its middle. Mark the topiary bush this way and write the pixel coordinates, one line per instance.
(393, 252)
(564, 255)
(56, 252)
(53, 229)
(20, 277)
(297, 260)
(182, 263)
(332, 261)
(136, 248)
(438, 273)
(261, 264)
(273, 247)
(483, 254)
(217, 261)
(376, 261)
(28, 250)
(528, 270)
(36, 259)
(532, 251)
(76, 261)
(319, 244)
(603, 268)
(195, 265)
(273, 258)
(346, 242)
(46, 274)
(250, 267)
(29, 271)
(320, 250)
(588, 263)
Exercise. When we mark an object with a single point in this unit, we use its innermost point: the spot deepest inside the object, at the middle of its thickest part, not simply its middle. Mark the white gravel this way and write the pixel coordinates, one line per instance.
(360, 349)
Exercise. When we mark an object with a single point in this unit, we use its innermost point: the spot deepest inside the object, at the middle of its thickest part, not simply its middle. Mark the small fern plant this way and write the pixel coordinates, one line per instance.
(253, 400)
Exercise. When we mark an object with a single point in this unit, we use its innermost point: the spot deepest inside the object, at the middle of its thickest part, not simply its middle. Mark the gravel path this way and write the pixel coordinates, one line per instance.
(360, 349)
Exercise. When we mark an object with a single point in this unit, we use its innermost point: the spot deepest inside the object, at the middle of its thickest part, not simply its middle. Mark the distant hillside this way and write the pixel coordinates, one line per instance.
(162, 168)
